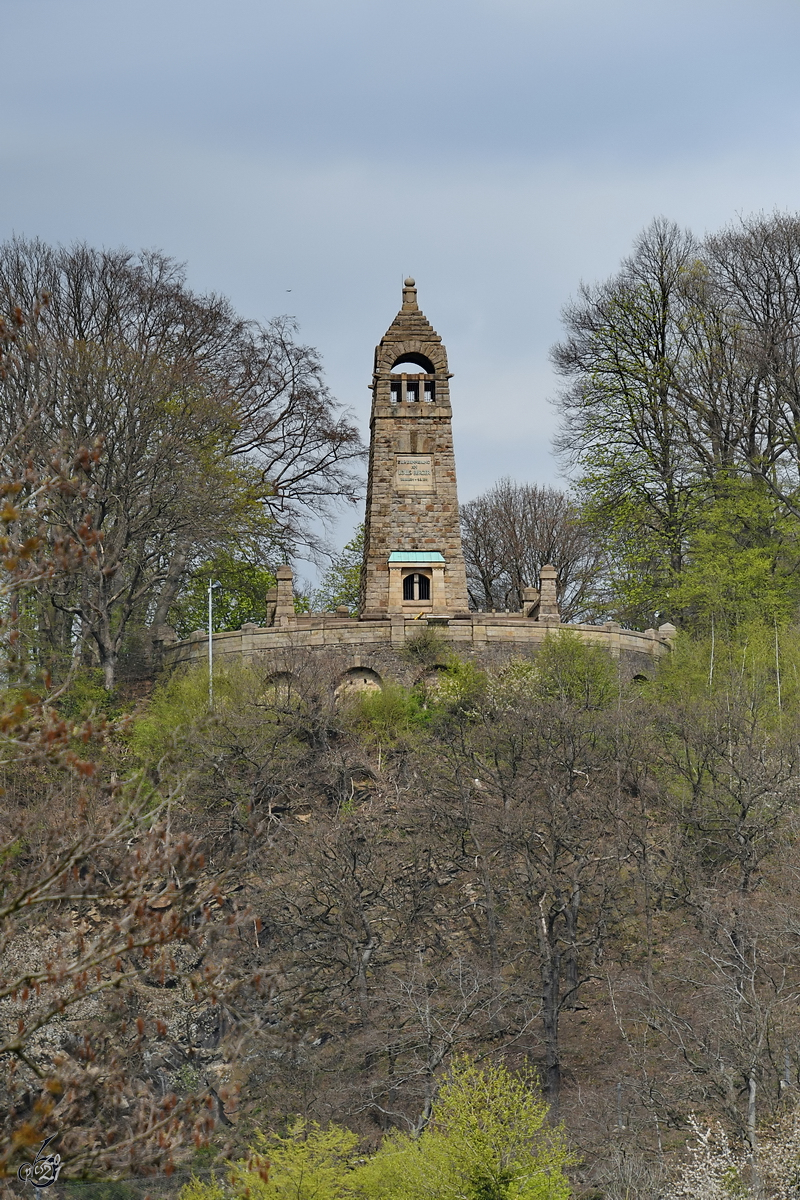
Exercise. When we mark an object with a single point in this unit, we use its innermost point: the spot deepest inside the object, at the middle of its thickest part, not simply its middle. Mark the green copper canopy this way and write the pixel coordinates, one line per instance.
(416, 556)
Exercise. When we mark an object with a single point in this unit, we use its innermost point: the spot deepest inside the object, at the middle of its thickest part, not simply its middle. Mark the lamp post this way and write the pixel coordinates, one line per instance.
(210, 647)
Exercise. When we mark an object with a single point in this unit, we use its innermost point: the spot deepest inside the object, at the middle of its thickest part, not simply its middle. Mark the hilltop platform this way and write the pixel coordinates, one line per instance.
(367, 653)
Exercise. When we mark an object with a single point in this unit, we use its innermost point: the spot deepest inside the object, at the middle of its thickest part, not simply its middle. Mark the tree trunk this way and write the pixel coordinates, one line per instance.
(551, 989)
(169, 588)
(107, 651)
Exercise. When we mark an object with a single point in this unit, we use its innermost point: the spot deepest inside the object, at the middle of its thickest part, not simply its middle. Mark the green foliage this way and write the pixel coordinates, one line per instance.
(341, 583)
(197, 1189)
(388, 714)
(737, 559)
(639, 571)
(755, 666)
(514, 680)
(86, 695)
(741, 561)
(459, 688)
(306, 1163)
(571, 670)
(11, 850)
(565, 668)
(396, 713)
(241, 595)
(488, 1139)
(187, 1079)
(180, 702)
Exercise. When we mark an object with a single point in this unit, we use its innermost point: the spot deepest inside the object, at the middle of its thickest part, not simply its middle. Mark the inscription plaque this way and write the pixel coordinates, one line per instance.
(413, 473)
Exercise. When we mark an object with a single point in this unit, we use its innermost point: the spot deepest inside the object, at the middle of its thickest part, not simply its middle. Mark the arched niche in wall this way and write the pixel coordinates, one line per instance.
(358, 679)
(279, 688)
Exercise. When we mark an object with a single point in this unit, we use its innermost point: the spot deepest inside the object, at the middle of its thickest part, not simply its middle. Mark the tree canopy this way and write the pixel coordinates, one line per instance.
(215, 434)
(341, 583)
(679, 418)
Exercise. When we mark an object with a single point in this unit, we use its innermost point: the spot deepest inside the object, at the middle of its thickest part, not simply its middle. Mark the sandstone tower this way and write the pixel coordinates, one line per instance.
(413, 561)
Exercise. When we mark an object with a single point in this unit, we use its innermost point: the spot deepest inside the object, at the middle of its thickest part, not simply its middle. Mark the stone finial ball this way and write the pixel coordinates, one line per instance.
(409, 282)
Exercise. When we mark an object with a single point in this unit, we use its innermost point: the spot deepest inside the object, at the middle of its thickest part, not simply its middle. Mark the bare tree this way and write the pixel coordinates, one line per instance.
(213, 431)
(106, 896)
(533, 796)
(510, 532)
(754, 282)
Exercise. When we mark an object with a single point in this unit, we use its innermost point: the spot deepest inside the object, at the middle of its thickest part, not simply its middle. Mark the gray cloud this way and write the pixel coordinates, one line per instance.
(499, 150)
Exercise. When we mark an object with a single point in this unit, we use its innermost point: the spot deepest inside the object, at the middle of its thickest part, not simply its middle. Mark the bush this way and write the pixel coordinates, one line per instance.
(460, 687)
(180, 702)
(306, 1163)
(488, 1139)
(387, 715)
(569, 669)
(87, 696)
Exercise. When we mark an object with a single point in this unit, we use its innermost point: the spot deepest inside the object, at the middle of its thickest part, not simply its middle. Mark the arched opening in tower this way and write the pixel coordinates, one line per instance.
(413, 379)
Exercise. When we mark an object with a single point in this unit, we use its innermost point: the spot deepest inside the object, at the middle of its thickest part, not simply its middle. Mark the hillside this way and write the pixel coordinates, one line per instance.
(539, 868)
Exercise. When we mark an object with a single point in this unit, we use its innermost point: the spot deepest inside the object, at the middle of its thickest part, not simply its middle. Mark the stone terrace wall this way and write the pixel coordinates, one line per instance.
(372, 649)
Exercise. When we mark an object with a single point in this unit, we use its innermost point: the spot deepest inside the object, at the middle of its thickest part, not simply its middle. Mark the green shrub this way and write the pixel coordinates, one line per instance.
(754, 665)
(180, 703)
(566, 668)
(306, 1163)
(197, 1189)
(387, 715)
(86, 696)
(488, 1139)
(459, 687)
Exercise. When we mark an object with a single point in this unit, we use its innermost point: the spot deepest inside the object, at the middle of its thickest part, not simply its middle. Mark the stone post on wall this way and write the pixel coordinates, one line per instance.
(284, 607)
(548, 603)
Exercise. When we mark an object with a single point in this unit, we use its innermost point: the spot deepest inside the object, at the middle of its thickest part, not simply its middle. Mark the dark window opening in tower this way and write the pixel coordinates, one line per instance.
(429, 392)
(412, 394)
(395, 391)
(416, 587)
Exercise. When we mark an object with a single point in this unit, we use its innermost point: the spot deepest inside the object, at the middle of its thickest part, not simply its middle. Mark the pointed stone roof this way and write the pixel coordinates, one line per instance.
(410, 337)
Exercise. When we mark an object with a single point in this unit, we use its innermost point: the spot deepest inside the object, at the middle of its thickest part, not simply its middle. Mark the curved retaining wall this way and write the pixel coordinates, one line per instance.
(372, 649)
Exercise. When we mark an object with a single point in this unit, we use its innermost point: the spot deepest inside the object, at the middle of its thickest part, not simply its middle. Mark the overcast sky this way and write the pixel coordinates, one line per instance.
(302, 157)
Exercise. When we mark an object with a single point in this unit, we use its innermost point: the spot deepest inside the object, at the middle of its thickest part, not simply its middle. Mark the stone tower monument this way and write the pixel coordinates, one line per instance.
(413, 561)
(413, 564)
